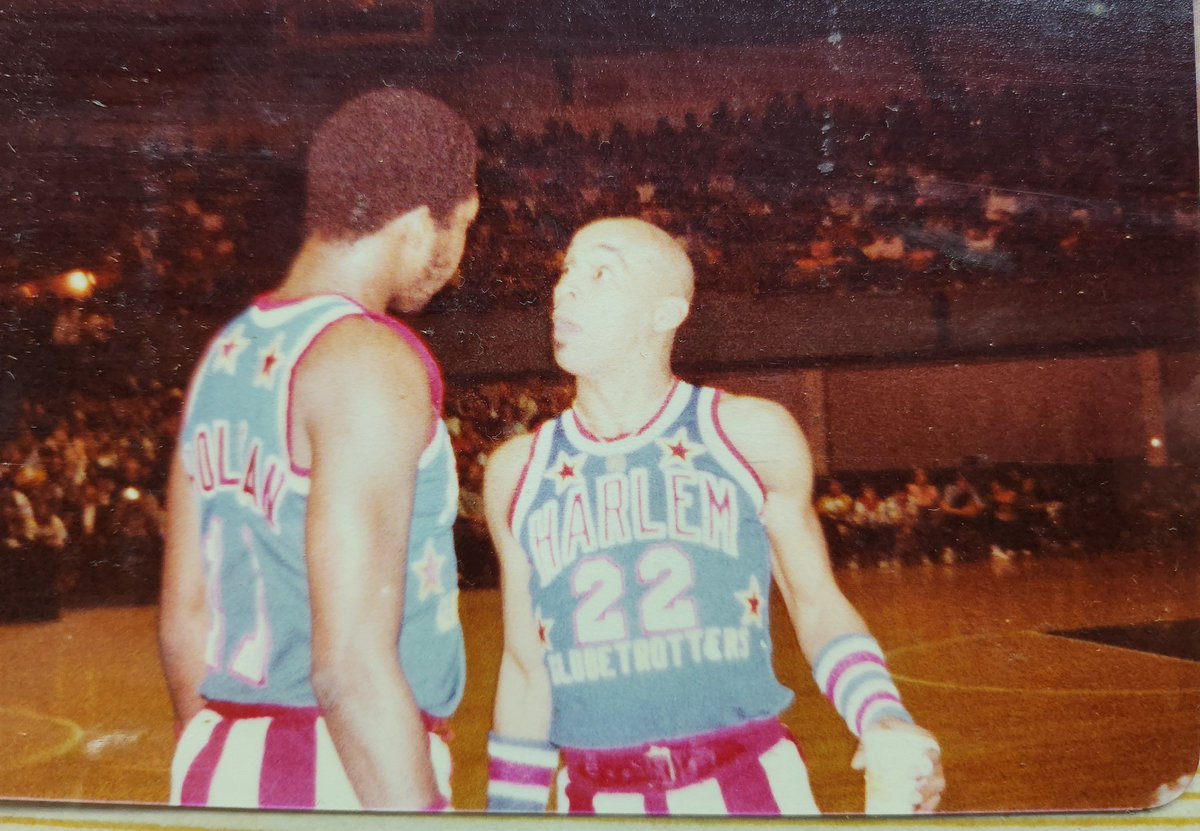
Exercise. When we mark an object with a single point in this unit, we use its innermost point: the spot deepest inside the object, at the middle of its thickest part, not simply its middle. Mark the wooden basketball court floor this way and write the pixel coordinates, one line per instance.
(1027, 720)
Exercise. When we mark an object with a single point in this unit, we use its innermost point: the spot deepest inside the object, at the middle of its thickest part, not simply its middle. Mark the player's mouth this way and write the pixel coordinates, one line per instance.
(564, 327)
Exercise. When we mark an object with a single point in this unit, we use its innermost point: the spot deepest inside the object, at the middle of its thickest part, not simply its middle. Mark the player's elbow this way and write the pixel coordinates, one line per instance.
(182, 613)
(340, 677)
(522, 675)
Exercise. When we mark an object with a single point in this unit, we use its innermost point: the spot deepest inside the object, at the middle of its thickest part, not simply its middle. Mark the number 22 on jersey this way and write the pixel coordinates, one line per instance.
(664, 574)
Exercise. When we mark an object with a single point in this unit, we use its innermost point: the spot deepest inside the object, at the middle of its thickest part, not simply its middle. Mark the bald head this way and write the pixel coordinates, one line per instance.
(659, 262)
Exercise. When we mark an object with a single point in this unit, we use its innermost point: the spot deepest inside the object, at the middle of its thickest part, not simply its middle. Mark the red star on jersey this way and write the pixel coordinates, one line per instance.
(678, 450)
(428, 571)
(752, 603)
(227, 351)
(270, 360)
(566, 471)
(544, 625)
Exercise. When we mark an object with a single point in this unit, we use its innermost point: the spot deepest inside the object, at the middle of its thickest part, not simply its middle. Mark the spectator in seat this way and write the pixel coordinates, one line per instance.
(924, 503)
(960, 510)
(834, 508)
(873, 536)
(1006, 533)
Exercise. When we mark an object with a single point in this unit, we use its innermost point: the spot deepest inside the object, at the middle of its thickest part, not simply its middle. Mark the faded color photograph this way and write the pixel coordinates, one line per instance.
(607, 408)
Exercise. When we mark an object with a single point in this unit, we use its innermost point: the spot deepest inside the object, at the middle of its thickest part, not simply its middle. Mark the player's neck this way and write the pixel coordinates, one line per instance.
(622, 405)
(363, 270)
(332, 268)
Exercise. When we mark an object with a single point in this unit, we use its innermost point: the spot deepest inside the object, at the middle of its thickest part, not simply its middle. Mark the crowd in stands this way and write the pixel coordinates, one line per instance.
(927, 194)
(481, 416)
(82, 499)
(931, 195)
(1004, 514)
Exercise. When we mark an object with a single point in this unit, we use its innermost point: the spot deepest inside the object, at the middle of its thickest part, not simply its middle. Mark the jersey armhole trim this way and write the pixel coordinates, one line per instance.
(737, 454)
(516, 494)
(431, 369)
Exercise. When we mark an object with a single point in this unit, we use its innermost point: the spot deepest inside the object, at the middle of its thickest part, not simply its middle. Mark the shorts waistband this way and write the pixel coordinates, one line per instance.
(279, 712)
(672, 763)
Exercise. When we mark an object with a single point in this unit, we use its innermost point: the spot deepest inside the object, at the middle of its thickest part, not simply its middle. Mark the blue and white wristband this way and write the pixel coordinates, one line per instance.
(853, 675)
(520, 773)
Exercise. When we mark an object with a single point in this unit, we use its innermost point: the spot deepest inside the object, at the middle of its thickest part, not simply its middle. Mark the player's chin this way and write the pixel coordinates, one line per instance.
(566, 358)
(406, 306)
(415, 300)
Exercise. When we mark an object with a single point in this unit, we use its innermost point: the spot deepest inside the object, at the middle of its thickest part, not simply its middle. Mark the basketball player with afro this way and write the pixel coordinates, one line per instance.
(309, 626)
(639, 535)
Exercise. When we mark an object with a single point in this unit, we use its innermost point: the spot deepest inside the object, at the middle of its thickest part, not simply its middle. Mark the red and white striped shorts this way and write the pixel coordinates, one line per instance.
(263, 756)
(753, 770)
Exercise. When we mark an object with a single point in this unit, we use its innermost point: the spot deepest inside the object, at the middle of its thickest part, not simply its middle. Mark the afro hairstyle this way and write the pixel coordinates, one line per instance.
(383, 154)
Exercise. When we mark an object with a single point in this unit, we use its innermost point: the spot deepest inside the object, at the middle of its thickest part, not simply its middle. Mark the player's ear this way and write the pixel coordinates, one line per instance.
(410, 236)
(670, 314)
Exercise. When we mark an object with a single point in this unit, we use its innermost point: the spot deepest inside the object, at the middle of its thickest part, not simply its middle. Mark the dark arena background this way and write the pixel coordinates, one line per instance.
(956, 236)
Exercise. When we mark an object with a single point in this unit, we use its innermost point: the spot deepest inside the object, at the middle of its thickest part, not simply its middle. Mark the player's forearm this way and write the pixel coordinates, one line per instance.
(522, 709)
(377, 729)
(181, 650)
(820, 623)
(849, 666)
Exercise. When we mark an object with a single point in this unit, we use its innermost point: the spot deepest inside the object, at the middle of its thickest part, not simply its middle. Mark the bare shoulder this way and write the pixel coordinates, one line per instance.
(752, 422)
(356, 351)
(358, 379)
(766, 435)
(505, 464)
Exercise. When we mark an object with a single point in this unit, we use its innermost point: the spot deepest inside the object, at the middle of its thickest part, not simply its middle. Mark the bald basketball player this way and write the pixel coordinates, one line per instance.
(639, 534)
(309, 628)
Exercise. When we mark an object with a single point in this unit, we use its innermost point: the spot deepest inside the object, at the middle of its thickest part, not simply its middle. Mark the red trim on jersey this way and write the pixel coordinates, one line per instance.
(737, 454)
(512, 504)
(239, 710)
(282, 712)
(291, 397)
(437, 387)
(432, 370)
(583, 431)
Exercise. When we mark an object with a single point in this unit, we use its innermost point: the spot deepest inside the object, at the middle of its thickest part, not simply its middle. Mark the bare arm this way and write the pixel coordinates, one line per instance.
(362, 398)
(522, 708)
(183, 619)
(771, 441)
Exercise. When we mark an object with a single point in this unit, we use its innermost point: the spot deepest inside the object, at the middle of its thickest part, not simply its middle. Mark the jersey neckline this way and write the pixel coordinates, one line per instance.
(579, 436)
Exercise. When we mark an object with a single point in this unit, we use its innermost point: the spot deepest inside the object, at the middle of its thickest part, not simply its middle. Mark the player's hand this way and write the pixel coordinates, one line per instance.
(929, 785)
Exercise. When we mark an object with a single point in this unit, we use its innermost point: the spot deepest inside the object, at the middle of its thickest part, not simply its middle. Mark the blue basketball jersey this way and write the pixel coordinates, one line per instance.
(236, 449)
(651, 577)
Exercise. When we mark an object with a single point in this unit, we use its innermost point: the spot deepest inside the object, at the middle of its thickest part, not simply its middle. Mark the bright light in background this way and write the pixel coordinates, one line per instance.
(1156, 442)
(80, 283)
(132, 494)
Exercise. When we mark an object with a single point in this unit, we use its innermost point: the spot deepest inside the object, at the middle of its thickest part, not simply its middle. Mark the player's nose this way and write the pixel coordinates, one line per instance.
(564, 291)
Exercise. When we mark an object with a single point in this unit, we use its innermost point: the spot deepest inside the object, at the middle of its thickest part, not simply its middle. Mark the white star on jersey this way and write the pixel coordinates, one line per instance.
(752, 601)
(227, 351)
(271, 358)
(567, 470)
(678, 450)
(428, 571)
